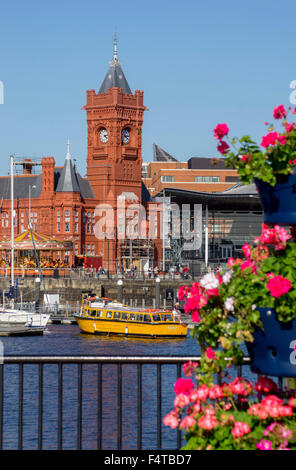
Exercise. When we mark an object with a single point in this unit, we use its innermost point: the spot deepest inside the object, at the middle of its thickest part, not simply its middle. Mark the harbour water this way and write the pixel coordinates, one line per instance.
(66, 340)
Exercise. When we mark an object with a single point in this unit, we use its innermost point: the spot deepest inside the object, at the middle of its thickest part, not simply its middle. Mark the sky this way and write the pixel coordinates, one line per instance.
(198, 62)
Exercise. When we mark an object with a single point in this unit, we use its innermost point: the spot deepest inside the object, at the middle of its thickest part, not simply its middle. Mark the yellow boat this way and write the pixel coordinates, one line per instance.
(106, 316)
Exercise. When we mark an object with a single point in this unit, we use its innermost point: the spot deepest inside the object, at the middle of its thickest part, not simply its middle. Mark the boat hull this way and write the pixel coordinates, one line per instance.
(130, 328)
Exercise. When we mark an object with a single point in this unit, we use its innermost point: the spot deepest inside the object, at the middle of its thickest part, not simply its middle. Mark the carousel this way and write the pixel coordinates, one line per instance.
(49, 251)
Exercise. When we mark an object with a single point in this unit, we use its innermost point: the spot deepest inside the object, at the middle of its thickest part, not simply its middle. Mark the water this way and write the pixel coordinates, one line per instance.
(66, 340)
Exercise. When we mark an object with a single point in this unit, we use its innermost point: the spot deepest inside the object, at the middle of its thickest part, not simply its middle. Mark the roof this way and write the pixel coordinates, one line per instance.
(62, 180)
(160, 155)
(41, 242)
(204, 163)
(115, 78)
(68, 181)
(242, 197)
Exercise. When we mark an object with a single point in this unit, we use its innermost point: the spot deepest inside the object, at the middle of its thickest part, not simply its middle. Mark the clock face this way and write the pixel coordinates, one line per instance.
(104, 135)
(125, 136)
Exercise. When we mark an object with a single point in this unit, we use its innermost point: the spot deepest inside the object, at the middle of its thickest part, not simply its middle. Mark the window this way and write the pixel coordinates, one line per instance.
(156, 318)
(139, 318)
(132, 316)
(67, 221)
(123, 316)
(207, 179)
(116, 315)
(58, 221)
(167, 179)
(168, 318)
(147, 318)
(109, 314)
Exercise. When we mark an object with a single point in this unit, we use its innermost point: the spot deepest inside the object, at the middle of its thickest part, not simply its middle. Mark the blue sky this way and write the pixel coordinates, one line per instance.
(198, 63)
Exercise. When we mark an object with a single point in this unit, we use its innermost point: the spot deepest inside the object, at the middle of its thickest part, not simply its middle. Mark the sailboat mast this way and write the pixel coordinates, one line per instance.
(12, 221)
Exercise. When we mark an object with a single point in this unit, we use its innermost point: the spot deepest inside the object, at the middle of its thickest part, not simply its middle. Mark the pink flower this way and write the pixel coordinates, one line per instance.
(247, 250)
(182, 292)
(279, 112)
(208, 422)
(187, 422)
(183, 386)
(216, 392)
(264, 444)
(272, 138)
(248, 264)
(188, 368)
(289, 126)
(202, 393)
(223, 147)
(240, 429)
(195, 316)
(171, 420)
(210, 353)
(279, 285)
(245, 158)
(181, 400)
(220, 131)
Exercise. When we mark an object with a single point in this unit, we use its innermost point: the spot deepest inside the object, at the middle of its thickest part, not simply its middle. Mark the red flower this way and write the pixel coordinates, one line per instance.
(279, 285)
(220, 131)
(272, 138)
(210, 353)
(279, 112)
(183, 386)
(223, 147)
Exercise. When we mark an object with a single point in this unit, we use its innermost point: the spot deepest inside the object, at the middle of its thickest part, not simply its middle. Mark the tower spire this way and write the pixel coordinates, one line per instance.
(115, 58)
(68, 156)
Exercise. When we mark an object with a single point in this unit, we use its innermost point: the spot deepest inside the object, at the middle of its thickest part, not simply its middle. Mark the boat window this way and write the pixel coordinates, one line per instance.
(156, 318)
(92, 313)
(139, 318)
(132, 316)
(109, 314)
(123, 316)
(168, 318)
(99, 313)
(116, 316)
(147, 318)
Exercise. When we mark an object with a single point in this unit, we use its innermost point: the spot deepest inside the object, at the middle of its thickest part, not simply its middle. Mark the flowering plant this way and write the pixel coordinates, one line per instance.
(223, 305)
(233, 416)
(275, 156)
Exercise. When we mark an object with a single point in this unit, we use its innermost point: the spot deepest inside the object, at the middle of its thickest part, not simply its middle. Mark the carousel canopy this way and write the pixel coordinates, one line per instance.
(42, 242)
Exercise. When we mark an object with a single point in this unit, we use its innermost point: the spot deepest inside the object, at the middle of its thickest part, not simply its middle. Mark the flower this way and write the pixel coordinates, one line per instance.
(229, 304)
(210, 354)
(265, 161)
(188, 421)
(279, 112)
(183, 386)
(278, 285)
(171, 420)
(221, 130)
(264, 444)
(272, 138)
(209, 281)
(223, 147)
(240, 429)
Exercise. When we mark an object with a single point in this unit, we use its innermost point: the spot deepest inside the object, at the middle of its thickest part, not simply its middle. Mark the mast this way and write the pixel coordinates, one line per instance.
(12, 224)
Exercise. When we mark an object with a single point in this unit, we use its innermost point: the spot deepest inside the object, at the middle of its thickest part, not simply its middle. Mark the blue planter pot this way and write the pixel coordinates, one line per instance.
(272, 352)
(279, 201)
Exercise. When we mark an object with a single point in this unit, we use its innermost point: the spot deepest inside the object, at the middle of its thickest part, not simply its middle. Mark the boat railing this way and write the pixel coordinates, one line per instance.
(90, 402)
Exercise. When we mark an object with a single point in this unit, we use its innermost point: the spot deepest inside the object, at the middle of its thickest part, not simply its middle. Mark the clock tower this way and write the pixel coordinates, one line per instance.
(114, 147)
(114, 121)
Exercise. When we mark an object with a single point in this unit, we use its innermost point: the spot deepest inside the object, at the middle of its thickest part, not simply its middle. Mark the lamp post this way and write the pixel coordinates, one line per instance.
(30, 190)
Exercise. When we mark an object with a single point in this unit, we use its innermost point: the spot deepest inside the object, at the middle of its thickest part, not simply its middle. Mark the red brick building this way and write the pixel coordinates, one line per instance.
(66, 206)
